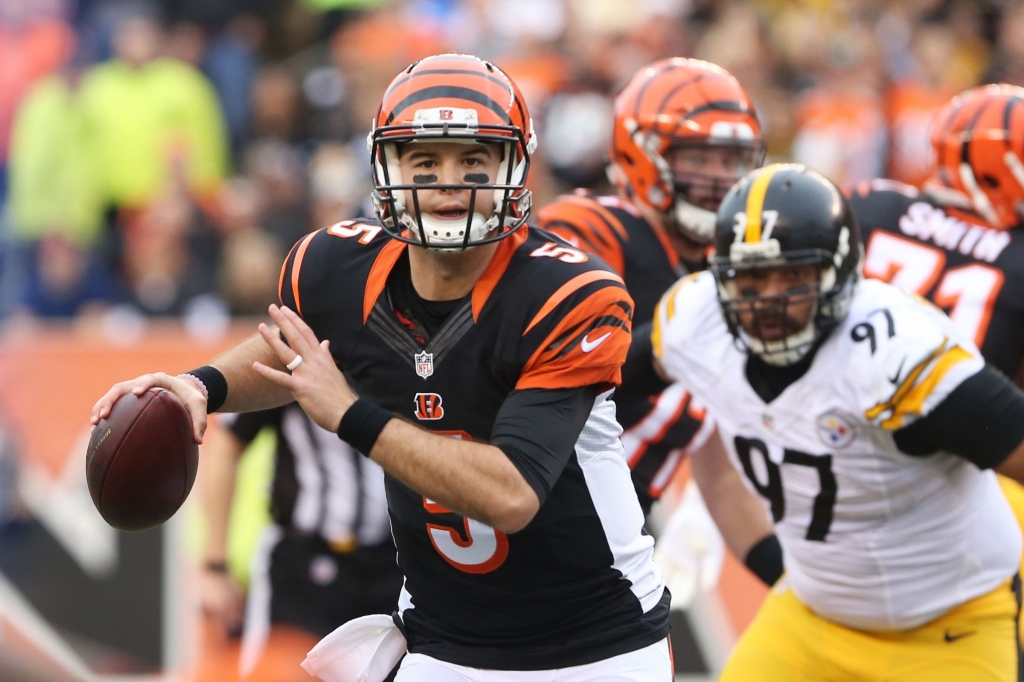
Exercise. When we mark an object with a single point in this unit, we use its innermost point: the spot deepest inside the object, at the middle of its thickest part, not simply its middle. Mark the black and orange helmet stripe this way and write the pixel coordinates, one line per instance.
(977, 129)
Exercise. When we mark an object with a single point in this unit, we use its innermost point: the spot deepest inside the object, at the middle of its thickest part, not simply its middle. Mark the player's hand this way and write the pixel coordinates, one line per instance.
(316, 383)
(222, 602)
(185, 389)
(690, 550)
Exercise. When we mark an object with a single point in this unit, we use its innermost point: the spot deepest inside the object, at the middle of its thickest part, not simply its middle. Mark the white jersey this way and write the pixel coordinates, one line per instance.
(873, 538)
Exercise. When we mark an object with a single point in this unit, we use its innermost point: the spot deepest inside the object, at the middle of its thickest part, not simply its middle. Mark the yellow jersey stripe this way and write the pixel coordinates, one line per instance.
(908, 382)
(913, 402)
(668, 305)
(755, 204)
(656, 335)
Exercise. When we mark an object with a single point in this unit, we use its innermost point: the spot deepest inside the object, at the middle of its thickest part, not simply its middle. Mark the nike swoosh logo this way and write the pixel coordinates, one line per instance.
(953, 638)
(587, 345)
(895, 379)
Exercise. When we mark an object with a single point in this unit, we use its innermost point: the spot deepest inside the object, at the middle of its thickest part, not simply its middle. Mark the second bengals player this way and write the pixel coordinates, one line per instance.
(684, 132)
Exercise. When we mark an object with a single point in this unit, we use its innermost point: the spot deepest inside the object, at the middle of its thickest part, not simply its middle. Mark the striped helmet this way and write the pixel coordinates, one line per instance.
(452, 98)
(978, 138)
(681, 104)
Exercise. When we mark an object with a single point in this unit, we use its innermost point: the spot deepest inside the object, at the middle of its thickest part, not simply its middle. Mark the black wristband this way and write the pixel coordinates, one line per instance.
(765, 560)
(361, 425)
(216, 386)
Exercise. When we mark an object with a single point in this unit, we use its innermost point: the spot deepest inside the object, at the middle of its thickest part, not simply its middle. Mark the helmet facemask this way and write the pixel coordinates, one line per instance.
(410, 224)
(685, 195)
(771, 332)
(697, 194)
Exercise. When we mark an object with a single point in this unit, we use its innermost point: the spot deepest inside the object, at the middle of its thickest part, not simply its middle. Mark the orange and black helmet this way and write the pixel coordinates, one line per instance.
(978, 139)
(452, 97)
(679, 104)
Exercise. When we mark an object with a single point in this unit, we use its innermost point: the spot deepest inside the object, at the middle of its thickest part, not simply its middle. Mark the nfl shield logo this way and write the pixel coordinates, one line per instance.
(424, 364)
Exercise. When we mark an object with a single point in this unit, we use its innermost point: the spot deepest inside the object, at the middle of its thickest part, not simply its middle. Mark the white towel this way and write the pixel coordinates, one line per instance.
(364, 649)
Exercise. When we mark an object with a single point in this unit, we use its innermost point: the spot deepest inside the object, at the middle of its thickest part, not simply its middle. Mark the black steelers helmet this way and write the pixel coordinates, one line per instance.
(780, 216)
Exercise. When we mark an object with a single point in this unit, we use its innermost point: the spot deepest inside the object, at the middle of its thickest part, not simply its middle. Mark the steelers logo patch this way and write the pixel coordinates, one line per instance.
(836, 430)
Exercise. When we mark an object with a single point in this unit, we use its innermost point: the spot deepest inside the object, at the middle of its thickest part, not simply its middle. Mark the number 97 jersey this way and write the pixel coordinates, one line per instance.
(972, 271)
(873, 538)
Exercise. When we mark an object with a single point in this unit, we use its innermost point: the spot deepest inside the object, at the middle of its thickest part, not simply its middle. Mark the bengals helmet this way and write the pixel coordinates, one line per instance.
(446, 98)
(978, 139)
(780, 216)
(670, 106)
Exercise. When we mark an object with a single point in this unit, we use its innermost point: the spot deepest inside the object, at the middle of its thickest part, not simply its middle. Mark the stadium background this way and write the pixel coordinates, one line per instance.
(146, 210)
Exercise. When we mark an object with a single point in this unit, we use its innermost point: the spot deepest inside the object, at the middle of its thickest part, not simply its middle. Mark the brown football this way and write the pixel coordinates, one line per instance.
(142, 460)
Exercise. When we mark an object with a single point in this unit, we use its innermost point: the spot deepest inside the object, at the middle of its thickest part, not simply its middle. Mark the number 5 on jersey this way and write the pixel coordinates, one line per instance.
(479, 549)
(351, 228)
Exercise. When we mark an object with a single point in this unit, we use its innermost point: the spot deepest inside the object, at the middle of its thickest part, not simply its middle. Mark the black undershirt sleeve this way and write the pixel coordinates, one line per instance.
(537, 429)
(982, 420)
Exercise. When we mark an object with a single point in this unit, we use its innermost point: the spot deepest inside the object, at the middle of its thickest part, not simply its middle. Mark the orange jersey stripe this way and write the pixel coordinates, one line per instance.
(499, 263)
(300, 253)
(586, 224)
(587, 347)
(379, 271)
(567, 289)
(284, 269)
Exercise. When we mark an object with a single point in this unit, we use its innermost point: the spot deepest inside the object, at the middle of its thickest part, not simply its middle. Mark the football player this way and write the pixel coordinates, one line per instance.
(958, 242)
(869, 424)
(684, 132)
(479, 355)
(955, 242)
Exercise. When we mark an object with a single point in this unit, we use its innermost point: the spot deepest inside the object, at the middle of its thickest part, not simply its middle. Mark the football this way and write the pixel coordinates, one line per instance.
(142, 460)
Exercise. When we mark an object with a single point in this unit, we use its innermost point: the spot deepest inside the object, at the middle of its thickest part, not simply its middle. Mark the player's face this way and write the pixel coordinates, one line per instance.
(789, 296)
(450, 163)
(718, 166)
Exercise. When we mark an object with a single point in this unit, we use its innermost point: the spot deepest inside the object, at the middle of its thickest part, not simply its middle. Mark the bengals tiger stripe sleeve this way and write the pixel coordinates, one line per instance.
(583, 339)
(584, 223)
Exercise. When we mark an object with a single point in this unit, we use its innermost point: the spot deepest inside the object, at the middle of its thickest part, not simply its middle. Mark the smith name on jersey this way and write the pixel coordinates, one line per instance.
(969, 269)
(873, 538)
(578, 584)
(662, 423)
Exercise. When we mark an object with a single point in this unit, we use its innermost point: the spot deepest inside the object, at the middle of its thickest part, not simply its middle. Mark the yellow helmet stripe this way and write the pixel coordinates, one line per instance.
(755, 203)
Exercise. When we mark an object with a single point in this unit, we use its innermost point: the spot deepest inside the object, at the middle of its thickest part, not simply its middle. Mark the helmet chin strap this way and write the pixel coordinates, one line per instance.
(695, 223)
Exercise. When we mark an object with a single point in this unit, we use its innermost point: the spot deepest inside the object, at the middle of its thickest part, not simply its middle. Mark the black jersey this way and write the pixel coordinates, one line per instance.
(661, 422)
(972, 271)
(577, 584)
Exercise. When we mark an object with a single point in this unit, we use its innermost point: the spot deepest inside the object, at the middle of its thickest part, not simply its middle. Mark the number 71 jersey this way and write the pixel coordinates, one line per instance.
(972, 271)
(873, 538)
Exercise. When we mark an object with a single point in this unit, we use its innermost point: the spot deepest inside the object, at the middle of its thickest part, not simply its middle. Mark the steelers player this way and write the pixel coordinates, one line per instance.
(869, 424)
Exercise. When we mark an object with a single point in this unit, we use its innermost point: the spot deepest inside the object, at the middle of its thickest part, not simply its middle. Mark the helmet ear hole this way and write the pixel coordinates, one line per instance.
(990, 181)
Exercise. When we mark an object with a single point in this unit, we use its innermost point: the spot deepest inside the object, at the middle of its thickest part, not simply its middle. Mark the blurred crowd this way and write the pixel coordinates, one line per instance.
(159, 158)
